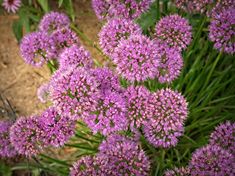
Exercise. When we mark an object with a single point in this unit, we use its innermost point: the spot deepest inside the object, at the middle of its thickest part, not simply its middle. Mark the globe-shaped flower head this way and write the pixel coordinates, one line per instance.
(56, 128)
(194, 6)
(222, 31)
(11, 5)
(75, 55)
(114, 31)
(107, 79)
(224, 136)
(212, 160)
(220, 6)
(171, 63)
(136, 58)
(53, 21)
(129, 9)
(109, 116)
(25, 136)
(174, 31)
(6, 148)
(35, 48)
(87, 165)
(139, 105)
(120, 155)
(181, 171)
(75, 92)
(61, 39)
(166, 125)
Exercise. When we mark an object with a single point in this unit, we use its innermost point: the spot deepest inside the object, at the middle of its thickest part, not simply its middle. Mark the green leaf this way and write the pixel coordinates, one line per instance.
(60, 3)
(44, 5)
(149, 18)
(17, 28)
(68, 5)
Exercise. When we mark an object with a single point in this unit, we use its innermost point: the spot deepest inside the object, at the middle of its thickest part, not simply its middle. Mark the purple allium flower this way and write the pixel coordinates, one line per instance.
(120, 155)
(222, 31)
(220, 6)
(34, 48)
(53, 21)
(75, 92)
(11, 5)
(114, 31)
(171, 63)
(194, 6)
(130, 9)
(57, 129)
(75, 55)
(174, 31)
(86, 166)
(136, 58)
(25, 136)
(109, 115)
(182, 171)
(108, 80)
(44, 92)
(212, 161)
(224, 136)
(139, 105)
(6, 148)
(61, 39)
(164, 128)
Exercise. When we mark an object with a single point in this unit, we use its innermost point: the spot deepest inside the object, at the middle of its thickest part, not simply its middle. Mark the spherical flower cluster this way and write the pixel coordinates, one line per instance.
(171, 63)
(34, 48)
(222, 31)
(164, 128)
(53, 21)
(86, 166)
(220, 6)
(107, 79)
(194, 6)
(182, 171)
(212, 160)
(136, 58)
(223, 136)
(122, 156)
(25, 136)
(75, 92)
(109, 116)
(139, 105)
(6, 148)
(57, 129)
(130, 9)
(11, 5)
(75, 55)
(174, 31)
(44, 92)
(61, 39)
(114, 31)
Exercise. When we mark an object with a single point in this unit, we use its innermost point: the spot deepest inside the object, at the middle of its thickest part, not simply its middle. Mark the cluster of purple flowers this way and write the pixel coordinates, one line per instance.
(30, 135)
(118, 155)
(194, 6)
(53, 37)
(216, 158)
(129, 9)
(175, 31)
(11, 5)
(222, 31)
(139, 58)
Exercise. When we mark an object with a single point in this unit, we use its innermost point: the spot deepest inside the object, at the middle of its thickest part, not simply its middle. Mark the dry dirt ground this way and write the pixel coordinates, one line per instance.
(19, 81)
